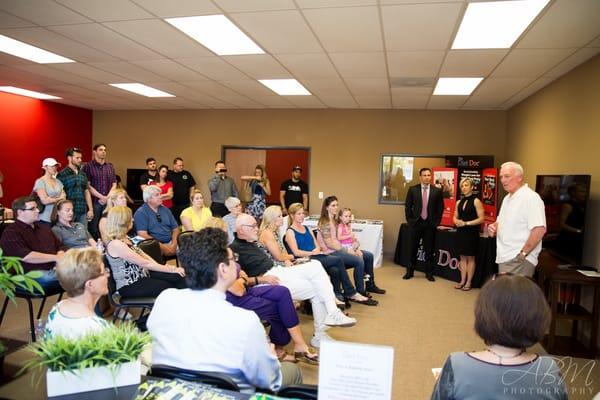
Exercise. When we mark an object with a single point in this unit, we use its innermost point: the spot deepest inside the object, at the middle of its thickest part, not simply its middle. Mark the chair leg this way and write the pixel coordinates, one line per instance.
(4, 310)
(60, 296)
(39, 314)
(31, 322)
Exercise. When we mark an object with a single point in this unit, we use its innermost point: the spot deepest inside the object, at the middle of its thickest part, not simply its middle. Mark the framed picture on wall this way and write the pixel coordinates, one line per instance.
(398, 172)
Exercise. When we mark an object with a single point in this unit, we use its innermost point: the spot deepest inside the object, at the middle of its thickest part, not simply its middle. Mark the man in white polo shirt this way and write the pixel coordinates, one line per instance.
(521, 224)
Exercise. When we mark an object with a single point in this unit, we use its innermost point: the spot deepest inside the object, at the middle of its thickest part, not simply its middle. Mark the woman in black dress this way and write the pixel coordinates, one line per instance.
(468, 215)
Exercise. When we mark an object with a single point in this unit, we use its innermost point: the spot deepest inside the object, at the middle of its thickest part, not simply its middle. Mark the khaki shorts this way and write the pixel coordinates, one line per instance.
(517, 267)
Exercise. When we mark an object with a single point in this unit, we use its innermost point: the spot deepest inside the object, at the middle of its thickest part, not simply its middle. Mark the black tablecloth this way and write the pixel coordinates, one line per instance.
(445, 258)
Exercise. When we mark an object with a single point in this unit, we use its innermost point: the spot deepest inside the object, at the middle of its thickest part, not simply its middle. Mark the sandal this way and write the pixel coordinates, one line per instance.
(285, 356)
(366, 301)
(459, 286)
(306, 357)
(466, 288)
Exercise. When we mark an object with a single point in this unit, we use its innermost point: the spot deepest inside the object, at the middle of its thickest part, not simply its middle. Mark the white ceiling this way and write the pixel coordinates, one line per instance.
(346, 52)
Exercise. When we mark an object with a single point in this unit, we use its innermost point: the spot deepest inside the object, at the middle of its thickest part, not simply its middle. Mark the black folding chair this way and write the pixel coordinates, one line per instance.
(217, 379)
(304, 392)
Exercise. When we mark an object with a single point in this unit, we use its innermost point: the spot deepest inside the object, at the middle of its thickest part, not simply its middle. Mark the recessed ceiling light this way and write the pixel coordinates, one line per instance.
(497, 24)
(456, 86)
(28, 93)
(29, 52)
(285, 87)
(217, 33)
(139, 88)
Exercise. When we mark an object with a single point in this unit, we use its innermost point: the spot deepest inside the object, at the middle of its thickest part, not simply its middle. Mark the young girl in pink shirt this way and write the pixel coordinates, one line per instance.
(345, 235)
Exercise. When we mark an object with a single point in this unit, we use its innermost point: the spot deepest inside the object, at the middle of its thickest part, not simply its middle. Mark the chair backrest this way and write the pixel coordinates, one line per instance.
(184, 234)
(217, 379)
(113, 297)
(152, 248)
(304, 392)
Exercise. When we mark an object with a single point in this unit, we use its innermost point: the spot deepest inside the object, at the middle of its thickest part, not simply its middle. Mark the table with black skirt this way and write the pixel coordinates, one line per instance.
(445, 258)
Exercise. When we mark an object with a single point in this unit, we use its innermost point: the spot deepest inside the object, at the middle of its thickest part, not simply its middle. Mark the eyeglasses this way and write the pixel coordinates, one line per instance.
(158, 217)
(30, 209)
(253, 226)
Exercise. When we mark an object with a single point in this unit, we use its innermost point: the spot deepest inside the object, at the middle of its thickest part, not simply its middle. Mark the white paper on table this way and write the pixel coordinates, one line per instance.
(349, 371)
(591, 274)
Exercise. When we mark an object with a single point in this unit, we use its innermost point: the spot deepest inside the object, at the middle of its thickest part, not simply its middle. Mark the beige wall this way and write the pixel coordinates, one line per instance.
(346, 144)
(557, 130)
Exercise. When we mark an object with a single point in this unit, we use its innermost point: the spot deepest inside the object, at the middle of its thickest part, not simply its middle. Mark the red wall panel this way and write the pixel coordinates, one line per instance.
(279, 165)
(31, 130)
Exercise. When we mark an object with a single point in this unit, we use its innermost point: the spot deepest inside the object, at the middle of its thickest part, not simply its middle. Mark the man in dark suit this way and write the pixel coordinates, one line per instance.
(423, 220)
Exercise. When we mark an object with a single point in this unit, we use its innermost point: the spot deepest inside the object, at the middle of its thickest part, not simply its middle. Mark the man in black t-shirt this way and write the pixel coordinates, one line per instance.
(294, 190)
(183, 187)
(151, 174)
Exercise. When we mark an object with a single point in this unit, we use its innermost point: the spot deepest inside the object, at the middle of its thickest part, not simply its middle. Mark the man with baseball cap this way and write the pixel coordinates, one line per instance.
(48, 189)
(294, 190)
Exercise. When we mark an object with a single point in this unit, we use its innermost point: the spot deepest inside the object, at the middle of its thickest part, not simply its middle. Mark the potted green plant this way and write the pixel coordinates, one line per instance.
(99, 360)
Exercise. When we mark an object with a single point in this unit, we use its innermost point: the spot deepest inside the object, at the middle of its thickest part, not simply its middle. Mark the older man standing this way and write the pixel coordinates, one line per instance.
(102, 178)
(35, 243)
(521, 224)
(155, 221)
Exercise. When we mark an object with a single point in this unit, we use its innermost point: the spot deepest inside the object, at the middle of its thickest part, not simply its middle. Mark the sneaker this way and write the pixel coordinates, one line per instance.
(337, 318)
(315, 341)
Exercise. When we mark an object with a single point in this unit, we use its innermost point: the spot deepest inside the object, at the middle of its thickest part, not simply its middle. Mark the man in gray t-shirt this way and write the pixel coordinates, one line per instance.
(221, 187)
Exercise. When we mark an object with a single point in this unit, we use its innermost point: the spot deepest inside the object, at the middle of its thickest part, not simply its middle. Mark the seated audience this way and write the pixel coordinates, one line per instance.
(82, 275)
(272, 303)
(155, 221)
(165, 185)
(305, 281)
(32, 241)
(197, 329)
(234, 205)
(49, 189)
(71, 234)
(136, 274)
(329, 243)
(116, 197)
(303, 243)
(197, 215)
(511, 314)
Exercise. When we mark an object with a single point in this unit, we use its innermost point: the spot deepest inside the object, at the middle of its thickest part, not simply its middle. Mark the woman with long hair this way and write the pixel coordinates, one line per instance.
(165, 185)
(261, 188)
(116, 197)
(197, 215)
(71, 234)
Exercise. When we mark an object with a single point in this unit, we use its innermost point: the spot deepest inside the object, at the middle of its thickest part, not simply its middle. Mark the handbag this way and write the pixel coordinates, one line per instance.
(246, 192)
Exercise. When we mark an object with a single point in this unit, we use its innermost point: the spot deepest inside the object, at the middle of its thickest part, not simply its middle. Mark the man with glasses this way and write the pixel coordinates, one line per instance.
(76, 185)
(155, 221)
(221, 187)
(32, 241)
(102, 177)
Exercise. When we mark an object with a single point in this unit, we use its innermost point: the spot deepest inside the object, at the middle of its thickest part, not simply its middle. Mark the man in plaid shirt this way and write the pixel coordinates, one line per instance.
(102, 178)
(76, 186)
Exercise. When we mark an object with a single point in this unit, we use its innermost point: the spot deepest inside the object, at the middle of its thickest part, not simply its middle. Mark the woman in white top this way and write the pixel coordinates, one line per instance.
(49, 189)
(82, 274)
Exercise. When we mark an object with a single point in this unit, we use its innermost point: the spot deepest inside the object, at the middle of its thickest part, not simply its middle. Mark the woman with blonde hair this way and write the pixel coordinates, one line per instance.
(136, 274)
(261, 188)
(116, 197)
(197, 215)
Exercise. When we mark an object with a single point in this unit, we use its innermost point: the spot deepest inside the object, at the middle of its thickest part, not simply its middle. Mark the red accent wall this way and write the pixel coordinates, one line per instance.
(31, 130)
(279, 164)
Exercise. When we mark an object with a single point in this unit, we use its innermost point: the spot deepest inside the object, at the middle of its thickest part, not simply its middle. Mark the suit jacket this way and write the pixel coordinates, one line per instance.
(414, 205)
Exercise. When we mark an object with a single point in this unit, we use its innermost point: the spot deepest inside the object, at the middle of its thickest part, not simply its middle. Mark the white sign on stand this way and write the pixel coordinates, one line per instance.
(349, 371)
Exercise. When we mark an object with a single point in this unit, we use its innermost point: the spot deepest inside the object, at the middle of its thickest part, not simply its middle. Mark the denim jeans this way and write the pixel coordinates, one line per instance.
(361, 266)
(49, 281)
(337, 272)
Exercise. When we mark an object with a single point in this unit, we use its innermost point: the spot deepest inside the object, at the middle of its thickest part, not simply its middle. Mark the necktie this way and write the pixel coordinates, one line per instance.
(424, 202)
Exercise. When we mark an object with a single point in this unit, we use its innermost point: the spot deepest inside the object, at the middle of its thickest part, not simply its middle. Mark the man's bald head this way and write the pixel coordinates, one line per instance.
(246, 228)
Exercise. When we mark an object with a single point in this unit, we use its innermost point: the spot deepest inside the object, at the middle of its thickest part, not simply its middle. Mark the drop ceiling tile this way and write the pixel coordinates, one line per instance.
(130, 71)
(10, 21)
(92, 73)
(446, 102)
(179, 8)
(419, 26)
(388, 2)
(103, 39)
(566, 24)
(594, 43)
(526, 92)
(50, 72)
(213, 67)
(327, 87)
(360, 65)
(308, 65)
(529, 62)
(56, 43)
(184, 91)
(369, 87)
(171, 70)
(414, 64)
(353, 29)
(279, 32)
(305, 101)
(334, 3)
(258, 66)
(339, 101)
(106, 10)
(256, 91)
(42, 12)
(373, 101)
(500, 89)
(579, 57)
(478, 103)
(411, 91)
(255, 5)
(412, 102)
(161, 37)
(7, 59)
(471, 63)
(13, 76)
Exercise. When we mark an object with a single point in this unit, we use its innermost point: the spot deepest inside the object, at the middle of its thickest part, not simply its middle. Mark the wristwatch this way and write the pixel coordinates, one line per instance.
(523, 253)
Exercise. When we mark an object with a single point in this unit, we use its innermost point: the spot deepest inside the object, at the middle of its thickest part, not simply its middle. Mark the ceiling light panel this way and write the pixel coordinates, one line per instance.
(285, 87)
(141, 89)
(497, 24)
(456, 86)
(28, 93)
(217, 33)
(29, 52)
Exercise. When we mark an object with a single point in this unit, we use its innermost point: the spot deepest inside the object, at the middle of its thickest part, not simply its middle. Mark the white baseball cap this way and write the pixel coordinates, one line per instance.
(49, 162)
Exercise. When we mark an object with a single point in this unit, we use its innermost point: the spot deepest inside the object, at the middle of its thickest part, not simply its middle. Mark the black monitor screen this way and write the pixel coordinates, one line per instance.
(565, 200)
